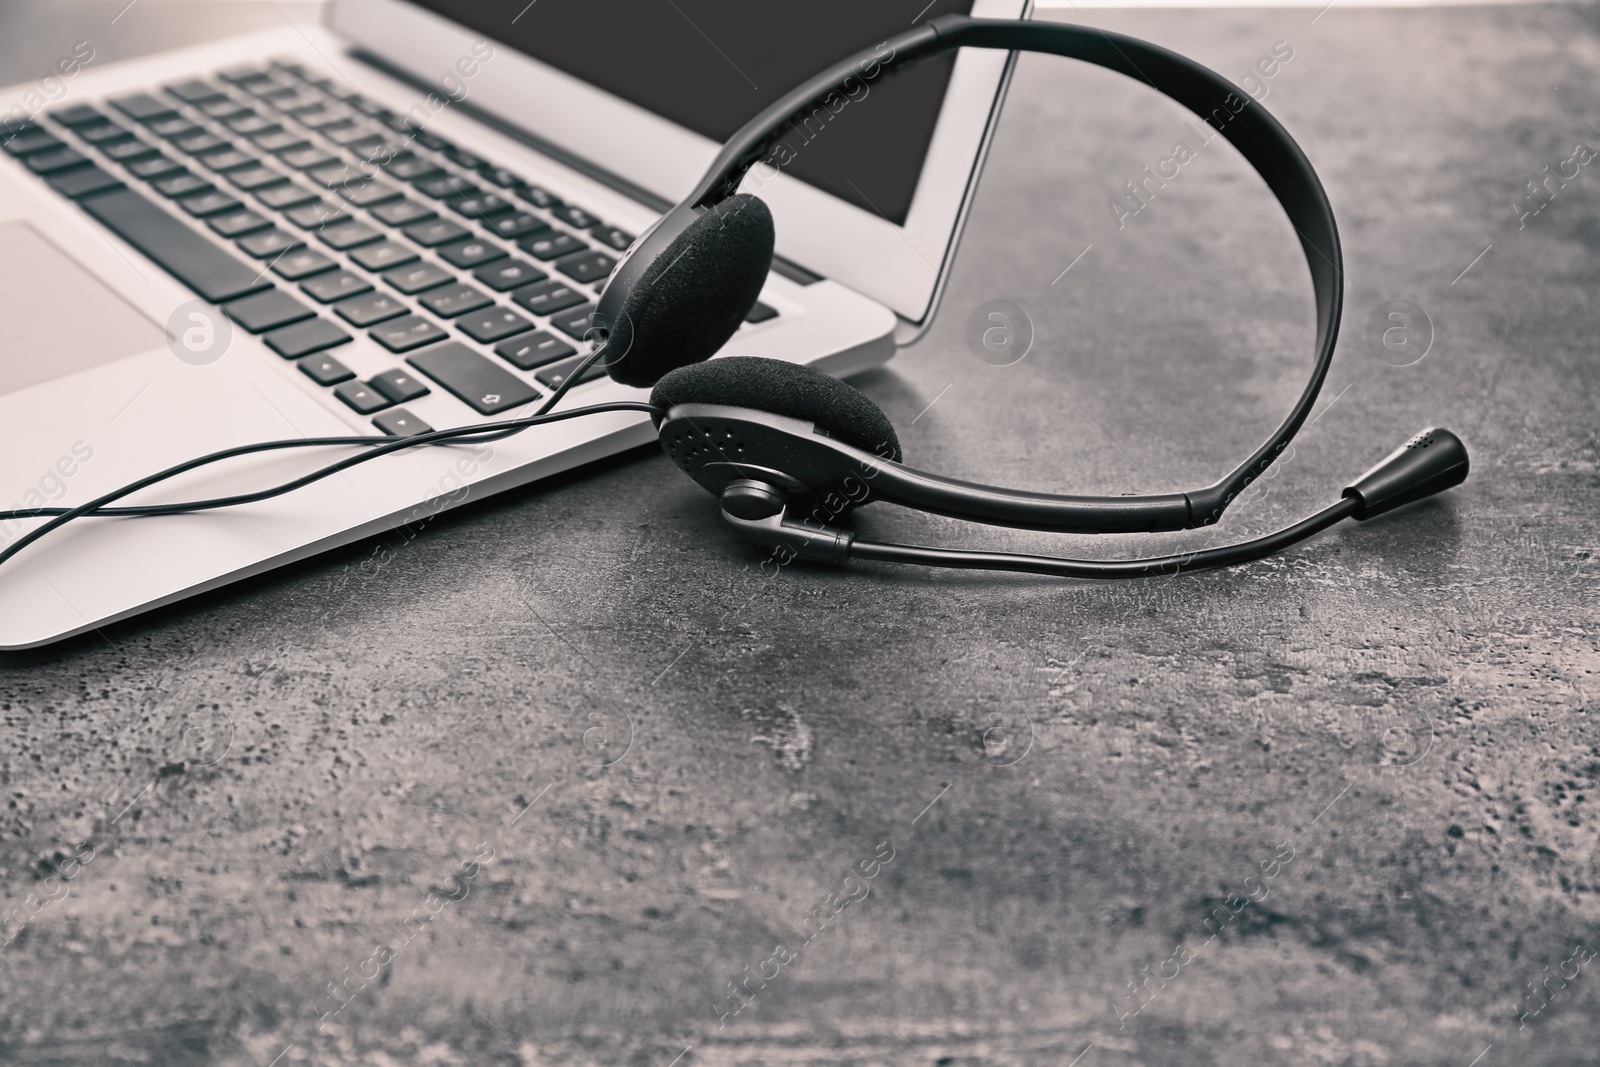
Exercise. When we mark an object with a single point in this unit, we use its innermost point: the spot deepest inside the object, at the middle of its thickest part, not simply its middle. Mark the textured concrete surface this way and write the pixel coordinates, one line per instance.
(537, 786)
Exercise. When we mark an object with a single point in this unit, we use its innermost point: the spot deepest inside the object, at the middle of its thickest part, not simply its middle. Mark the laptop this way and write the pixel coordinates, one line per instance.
(400, 221)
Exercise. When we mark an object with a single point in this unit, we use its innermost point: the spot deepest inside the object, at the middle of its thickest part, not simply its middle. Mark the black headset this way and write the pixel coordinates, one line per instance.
(789, 450)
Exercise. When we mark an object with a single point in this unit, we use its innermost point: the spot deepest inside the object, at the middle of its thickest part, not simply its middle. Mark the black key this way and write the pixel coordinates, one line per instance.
(508, 274)
(193, 91)
(383, 255)
(431, 140)
(258, 177)
(533, 350)
(362, 398)
(447, 186)
(325, 119)
(174, 127)
(417, 278)
(301, 263)
(350, 134)
(538, 197)
(471, 252)
(316, 214)
(398, 422)
(269, 243)
(304, 338)
(489, 389)
(81, 181)
(197, 143)
(487, 327)
(553, 246)
(103, 133)
(324, 370)
(180, 184)
(307, 158)
(54, 160)
(554, 375)
(405, 333)
(326, 288)
(349, 235)
(281, 141)
(207, 268)
(613, 237)
(368, 193)
(128, 151)
(462, 158)
(285, 196)
(369, 309)
(154, 167)
(575, 217)
(399, 385)
(435, 232)
(547, 298)
(500, 176)
(519, 225)
(241, 72)
(480, 207)
(31, 141)
(574, 322)
(252, 124)
(237, 223)
(761, 313)
(453, 300)
(334, 174)
(411, 167)
(223, 108)
(204, 203)
(142, 107)
(77, 115)
(587, 267)
(227, 159)
(401, 212)
(266, 311)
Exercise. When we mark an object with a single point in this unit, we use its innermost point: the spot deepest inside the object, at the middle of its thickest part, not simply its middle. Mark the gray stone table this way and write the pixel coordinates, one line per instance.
(568, 780)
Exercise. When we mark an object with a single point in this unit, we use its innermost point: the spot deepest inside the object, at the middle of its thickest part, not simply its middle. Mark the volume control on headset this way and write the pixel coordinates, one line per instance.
(759, 512)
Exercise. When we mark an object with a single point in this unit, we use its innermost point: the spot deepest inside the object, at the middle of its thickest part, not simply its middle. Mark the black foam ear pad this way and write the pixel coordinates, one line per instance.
(781, 388)
(695, 293)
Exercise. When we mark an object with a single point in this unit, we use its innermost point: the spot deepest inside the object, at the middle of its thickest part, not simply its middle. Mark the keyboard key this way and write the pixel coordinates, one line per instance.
(480, 207)
(553, 246)
(519, 225)
(142, 107)
(269, 243)
(575, 217)
(281, 141)
(237, 223)
(128, 151)
(369, 309)
(104, 133)
(227, 159)
(470, 253)
(266, 311)
(453, 300)
(324, 370)
(435, 232)
(316, 214)
(326, 288)
(81, 181)
(261, 178)
(194, 91)
(446, 187)
(251, 124)
(462, 158)
(587, 266)
(209, 269)
(334, 174)
(31, 141)
(613, 237)
(304, 338)
(307, 158)
(574, 322)
(487, 327)
(204, 204)
(362, 398)
(410, 167)
(176, 126)
(401, 212)
(547, 298)
(508, 274)
(349, 235)
(197, 143)
(181, 184)
(488, 388)
(399, 385)
(383, 255)
(366, 194)
(534, 350)
(223, 108)
(155, 167)
(301, 263)
(761, 313)
(500, 176)
(538, 197)
(405, 333)
(77, 115)
(417, 278)
(398, 422)
(54, 160)
(554, 375)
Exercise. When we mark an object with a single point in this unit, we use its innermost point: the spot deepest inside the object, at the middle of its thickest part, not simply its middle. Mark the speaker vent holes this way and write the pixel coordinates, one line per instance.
(1422, 440)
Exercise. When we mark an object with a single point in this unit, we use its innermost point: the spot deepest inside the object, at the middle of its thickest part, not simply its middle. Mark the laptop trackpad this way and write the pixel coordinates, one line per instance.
(58, 317)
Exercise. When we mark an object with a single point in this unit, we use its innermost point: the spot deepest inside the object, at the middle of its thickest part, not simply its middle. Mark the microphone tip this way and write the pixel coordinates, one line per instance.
(1431, 462)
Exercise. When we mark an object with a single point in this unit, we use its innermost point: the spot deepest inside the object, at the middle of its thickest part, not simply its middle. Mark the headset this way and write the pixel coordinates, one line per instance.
(790, 451)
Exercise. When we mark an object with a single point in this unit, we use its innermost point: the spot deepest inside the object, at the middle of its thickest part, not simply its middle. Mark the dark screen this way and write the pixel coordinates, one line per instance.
(711, 65)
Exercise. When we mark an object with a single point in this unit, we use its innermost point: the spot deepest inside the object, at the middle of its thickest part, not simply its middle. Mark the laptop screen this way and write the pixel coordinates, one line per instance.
(711, 65)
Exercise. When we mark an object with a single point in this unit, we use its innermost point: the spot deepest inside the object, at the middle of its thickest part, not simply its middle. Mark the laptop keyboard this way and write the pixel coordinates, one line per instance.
(459, 267)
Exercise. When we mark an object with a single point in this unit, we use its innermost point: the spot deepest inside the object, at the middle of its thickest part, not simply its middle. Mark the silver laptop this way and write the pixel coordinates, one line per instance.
(401, 221)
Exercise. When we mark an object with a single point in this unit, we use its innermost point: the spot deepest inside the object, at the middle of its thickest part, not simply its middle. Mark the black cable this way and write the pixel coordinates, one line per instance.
(1123, 568)
(378, 447)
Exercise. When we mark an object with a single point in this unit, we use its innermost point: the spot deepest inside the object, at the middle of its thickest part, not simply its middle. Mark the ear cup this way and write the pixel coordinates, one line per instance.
(694, 293)
(781, 388)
